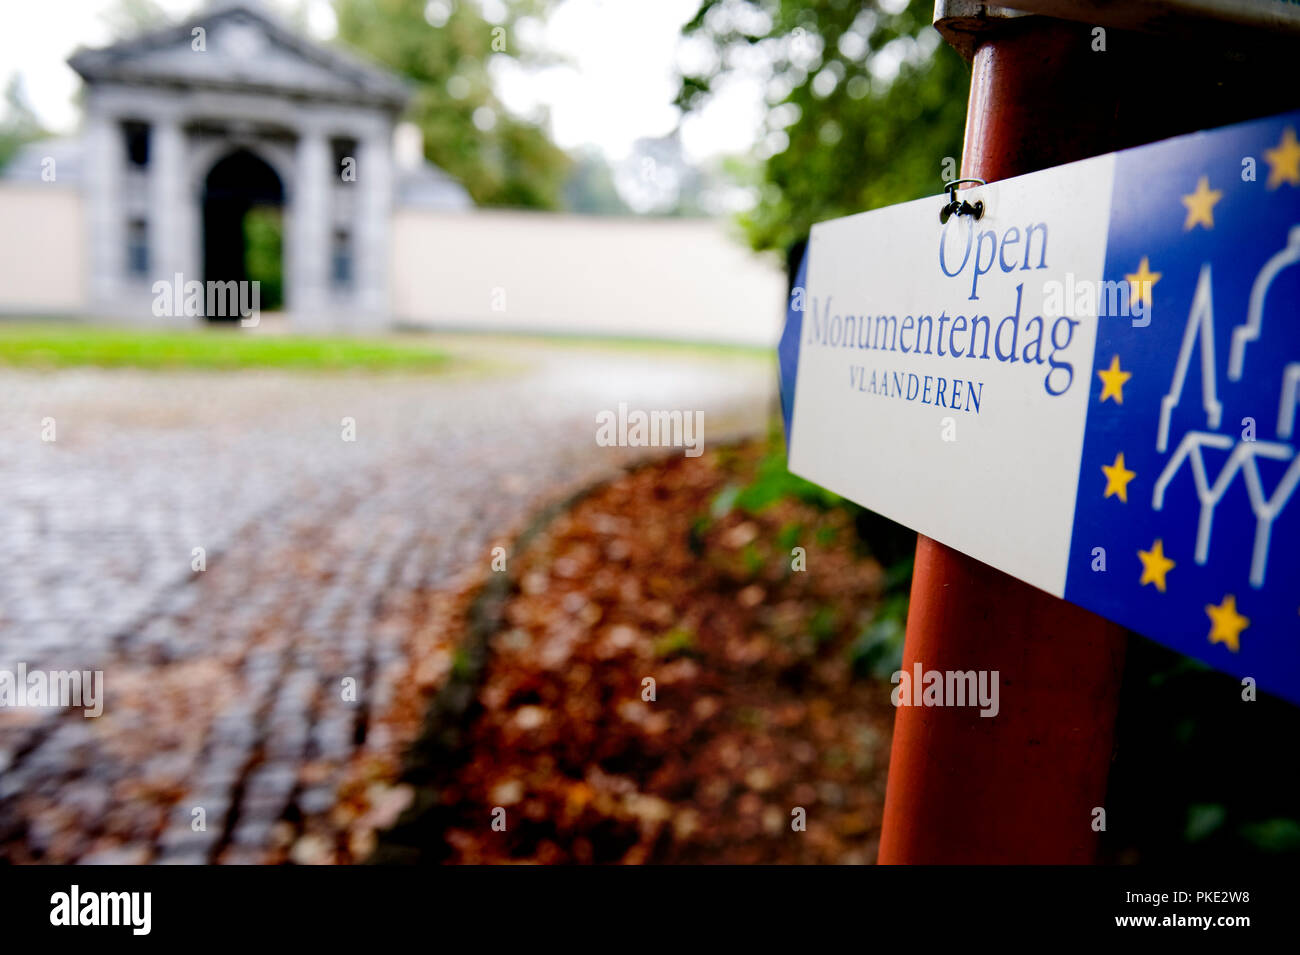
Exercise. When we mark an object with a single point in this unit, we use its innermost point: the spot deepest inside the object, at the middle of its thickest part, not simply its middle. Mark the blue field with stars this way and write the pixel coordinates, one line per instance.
(1187, 519)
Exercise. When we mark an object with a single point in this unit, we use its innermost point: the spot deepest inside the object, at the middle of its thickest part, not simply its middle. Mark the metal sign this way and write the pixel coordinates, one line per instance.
(1088, 377)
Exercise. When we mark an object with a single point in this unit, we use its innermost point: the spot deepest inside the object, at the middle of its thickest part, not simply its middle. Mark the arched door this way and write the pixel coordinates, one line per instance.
(243, 200)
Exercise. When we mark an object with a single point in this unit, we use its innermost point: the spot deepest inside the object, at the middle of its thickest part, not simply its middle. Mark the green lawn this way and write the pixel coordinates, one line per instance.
(705, 349)
(63, 344)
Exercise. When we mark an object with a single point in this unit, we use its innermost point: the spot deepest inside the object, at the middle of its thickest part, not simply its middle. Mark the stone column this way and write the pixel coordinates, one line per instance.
(308, 279)
(167, 195)
(106, 223)
(373, 225)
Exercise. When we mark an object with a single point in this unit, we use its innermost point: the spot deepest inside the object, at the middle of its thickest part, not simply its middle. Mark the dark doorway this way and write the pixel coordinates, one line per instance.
(242, 203)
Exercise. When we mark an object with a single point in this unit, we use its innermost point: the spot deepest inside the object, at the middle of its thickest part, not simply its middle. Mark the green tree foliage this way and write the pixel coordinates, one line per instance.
(19, 124)
(865, 103)
(590, 189)
(264, 253)
(129, 18)
(501, 159)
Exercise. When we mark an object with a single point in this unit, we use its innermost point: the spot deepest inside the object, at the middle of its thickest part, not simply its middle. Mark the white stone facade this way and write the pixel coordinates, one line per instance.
(420, 254)
(234, 80)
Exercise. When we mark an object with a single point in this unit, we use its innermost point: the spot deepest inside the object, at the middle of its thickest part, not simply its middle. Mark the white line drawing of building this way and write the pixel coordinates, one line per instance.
(1249, 332)
(1200, 320)
(1286, 408)
(1241, 459)
(1244, 453)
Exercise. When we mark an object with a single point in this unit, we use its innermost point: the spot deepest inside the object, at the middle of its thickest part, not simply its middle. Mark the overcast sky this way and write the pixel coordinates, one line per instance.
(619, 86)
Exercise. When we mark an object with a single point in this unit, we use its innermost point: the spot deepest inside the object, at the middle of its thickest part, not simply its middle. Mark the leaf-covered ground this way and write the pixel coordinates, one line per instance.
(757, 721)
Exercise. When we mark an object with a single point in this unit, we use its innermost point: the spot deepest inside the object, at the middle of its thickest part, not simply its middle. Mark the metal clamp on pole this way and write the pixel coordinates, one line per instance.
(963, 208)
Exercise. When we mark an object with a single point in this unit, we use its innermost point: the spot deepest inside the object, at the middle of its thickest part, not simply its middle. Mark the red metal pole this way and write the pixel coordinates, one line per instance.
(1019, 787)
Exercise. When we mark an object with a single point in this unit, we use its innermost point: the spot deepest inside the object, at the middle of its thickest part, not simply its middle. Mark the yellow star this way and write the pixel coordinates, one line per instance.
(1200, 205)
(1155, 565)
(1225, 623)
(1112, 381)
(1117, 478)
(1143, 280)
(1284, 161)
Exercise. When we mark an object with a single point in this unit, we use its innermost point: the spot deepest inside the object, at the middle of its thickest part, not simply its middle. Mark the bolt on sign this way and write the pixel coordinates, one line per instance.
(1087, 377)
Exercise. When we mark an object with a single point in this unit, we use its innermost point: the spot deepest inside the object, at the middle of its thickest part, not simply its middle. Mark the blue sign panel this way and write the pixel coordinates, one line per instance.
(1189, 470)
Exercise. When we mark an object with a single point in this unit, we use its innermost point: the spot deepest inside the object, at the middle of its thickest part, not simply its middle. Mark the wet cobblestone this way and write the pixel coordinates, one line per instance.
(224, 687)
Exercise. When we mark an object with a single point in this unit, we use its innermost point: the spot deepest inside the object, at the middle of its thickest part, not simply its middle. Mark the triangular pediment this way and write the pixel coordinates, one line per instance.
(241, 47)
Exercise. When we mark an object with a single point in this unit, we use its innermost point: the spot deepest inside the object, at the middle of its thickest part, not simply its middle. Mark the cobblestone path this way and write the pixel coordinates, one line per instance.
(222, 687)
